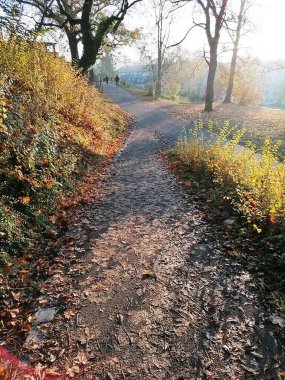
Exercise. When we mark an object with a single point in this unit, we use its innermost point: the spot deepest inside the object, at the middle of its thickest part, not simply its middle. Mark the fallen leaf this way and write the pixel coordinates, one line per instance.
(73, 371)
(148, 274)
(68, 314)
(16, 296)
(25, 200)
(13, 313)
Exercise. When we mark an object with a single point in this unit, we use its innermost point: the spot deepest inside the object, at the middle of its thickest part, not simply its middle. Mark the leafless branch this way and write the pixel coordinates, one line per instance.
(185, 36)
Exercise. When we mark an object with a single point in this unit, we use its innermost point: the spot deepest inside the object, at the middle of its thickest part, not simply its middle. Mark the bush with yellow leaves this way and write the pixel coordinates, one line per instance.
(253, 184)
(53, 126)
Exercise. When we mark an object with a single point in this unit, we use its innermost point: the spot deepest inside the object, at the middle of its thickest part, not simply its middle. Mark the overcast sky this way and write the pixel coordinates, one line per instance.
(267, 42)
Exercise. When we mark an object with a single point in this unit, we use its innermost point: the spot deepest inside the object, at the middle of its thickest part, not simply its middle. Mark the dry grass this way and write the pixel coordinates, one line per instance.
(56, 136)
(259, 122)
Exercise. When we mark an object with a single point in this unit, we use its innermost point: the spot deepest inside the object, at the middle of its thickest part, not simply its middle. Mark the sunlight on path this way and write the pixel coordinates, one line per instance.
(155, 297)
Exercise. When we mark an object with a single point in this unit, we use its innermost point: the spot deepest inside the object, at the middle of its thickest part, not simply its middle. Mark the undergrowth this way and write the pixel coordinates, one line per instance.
(55, 134)
(242, 184)
(253, 184)
(52, 127)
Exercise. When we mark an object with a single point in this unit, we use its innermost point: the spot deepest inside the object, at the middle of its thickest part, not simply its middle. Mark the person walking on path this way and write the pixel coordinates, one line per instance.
(117, 79)
(106, 79)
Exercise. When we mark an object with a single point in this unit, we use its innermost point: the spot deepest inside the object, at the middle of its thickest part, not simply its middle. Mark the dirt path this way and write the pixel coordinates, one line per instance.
(150, 292)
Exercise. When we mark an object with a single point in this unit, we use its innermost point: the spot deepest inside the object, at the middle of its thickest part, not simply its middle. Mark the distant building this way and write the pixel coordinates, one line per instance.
(137, 76)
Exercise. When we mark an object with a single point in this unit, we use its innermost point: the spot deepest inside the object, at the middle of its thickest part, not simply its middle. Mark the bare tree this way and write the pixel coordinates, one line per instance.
(214, 12)
(162, 10)
(243, 26)
(154, 43)
(11, 18)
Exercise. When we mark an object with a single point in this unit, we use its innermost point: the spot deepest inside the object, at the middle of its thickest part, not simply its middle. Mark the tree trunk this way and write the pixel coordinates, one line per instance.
(211, 76)
(159, 75)
(73, 46)
(228, 97)
(92, 44)
(159, 55)
(230, 87)
(210, 10)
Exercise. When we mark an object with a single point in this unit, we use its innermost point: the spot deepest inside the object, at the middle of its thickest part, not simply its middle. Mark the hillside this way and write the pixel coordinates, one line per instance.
(56, 135)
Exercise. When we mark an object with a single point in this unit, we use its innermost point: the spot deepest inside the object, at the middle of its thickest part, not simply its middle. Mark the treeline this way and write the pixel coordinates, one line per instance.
(186, 76)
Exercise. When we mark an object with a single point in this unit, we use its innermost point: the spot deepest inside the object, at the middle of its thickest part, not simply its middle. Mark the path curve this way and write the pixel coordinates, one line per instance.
(155, 296)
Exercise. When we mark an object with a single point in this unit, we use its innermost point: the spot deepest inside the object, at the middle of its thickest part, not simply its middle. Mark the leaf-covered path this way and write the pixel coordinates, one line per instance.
(150, 292)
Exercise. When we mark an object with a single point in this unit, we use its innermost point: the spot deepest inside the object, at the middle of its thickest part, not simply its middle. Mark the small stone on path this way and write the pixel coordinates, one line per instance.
(45, 315)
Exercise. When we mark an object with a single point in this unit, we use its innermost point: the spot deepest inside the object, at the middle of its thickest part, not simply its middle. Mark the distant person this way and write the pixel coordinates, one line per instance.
(106, 79)
(117, 80)
(111, 80)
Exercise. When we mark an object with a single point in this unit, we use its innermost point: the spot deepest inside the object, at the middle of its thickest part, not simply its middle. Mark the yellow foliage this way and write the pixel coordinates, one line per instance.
(254, 183)
(53, 128)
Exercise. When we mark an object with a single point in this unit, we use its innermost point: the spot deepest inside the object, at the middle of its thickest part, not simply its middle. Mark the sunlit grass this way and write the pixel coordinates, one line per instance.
(253, 184)
(53, 126)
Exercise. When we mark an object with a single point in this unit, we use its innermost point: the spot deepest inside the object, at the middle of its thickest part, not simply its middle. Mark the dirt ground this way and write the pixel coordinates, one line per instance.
(144, 287)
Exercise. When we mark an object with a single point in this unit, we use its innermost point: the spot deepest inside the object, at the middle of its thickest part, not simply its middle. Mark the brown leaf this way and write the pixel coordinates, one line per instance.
(68, 314)
(13, 313)
(16, 296)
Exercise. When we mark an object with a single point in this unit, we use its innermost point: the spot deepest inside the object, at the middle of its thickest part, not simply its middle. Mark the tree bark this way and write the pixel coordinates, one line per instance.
(73, 46)
(159, 73)
(92, 44)
(159, 56)
(213, 63)
(228, 97)
(210, 10)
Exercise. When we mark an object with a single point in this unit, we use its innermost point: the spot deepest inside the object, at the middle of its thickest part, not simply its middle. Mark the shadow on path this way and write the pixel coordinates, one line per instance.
(154, 294)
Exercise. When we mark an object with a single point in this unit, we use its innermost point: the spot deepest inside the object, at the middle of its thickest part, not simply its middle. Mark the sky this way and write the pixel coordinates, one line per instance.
(266, 42)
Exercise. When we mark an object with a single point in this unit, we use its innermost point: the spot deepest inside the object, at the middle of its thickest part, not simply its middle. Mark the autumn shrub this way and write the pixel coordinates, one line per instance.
(253, 184)
(171, 88)
(53, 126)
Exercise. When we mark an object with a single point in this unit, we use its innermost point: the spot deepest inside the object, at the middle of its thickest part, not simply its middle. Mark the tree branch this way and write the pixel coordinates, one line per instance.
(179, 42)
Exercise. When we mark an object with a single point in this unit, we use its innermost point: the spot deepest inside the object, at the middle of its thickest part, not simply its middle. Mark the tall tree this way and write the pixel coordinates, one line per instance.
(162, 10)
(214, 12)
(86, 22)
(241, 21)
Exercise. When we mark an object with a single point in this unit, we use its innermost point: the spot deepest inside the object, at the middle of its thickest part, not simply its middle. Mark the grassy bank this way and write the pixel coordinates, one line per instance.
(245, 190)
(56, 134)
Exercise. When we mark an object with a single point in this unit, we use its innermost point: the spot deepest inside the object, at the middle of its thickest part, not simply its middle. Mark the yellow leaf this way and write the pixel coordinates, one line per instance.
(20, 175)
(148, 274)
(257, 229)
